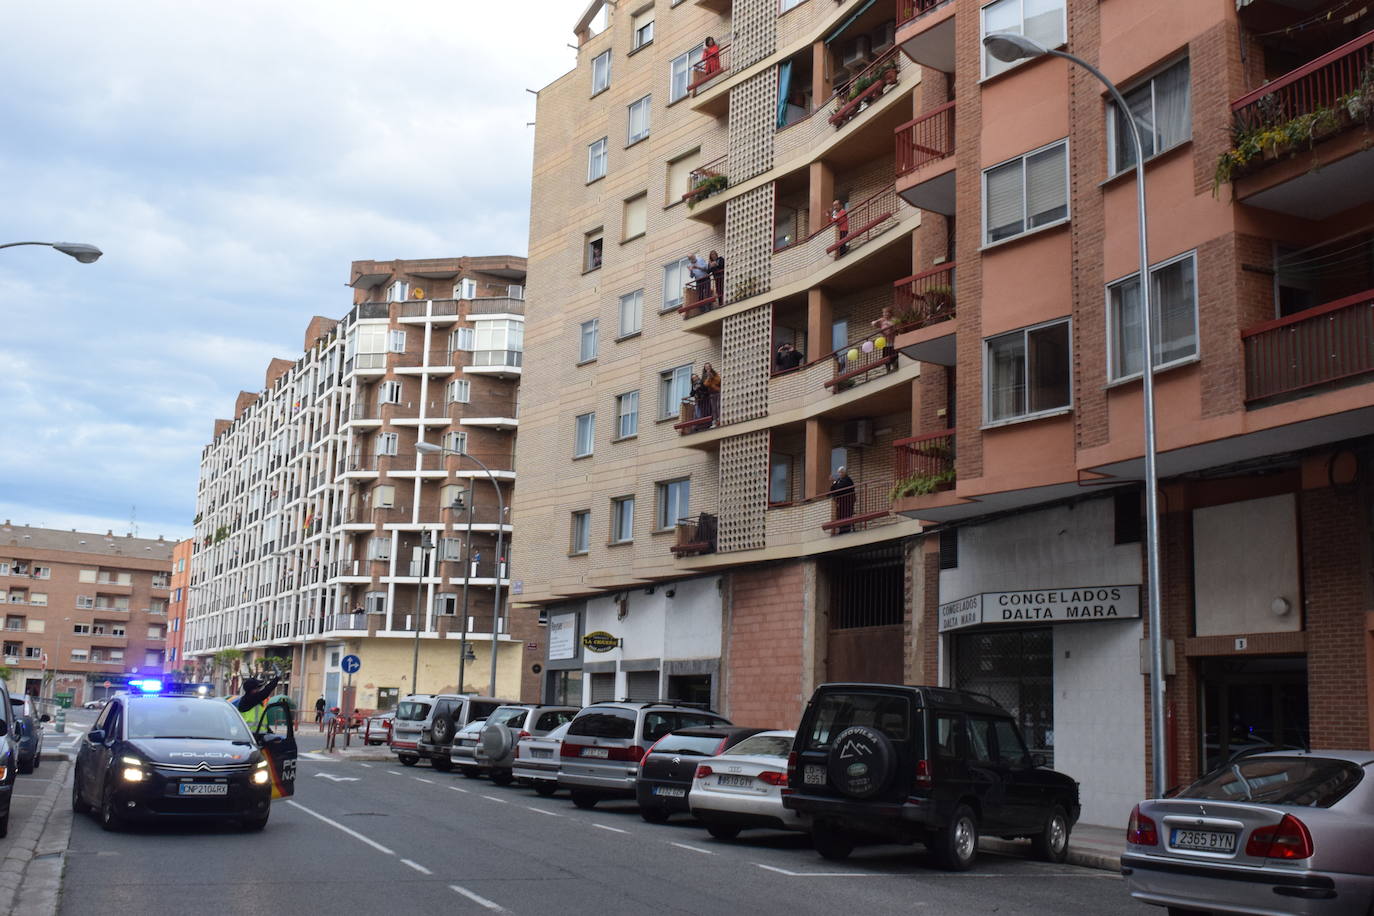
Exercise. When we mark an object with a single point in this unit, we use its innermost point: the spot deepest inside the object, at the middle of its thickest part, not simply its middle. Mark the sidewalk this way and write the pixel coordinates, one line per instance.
(1090, 846)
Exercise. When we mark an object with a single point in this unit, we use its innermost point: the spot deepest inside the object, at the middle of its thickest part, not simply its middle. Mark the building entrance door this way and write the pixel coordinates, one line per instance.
(1253, 702)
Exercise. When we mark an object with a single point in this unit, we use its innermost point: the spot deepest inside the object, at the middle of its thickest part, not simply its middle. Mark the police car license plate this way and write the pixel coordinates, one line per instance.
(814, 775)
(595, 752)
(202, 788)
(670, 791)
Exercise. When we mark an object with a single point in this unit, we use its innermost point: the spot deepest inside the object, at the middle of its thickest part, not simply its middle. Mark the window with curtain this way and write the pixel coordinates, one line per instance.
(641, 28)
(1041, 20)
(1173, 303)
(638, 127)
(631, 313)
(601, 72)
(673, 499)
(1027, 372)
(622, 519)
(680, 73)
(673, 385)
(596, 160)
(1026, 193)
(627, 415)
(635, 217)
(587, 337)
(581, 534)
(1162, 107)
(584, 435)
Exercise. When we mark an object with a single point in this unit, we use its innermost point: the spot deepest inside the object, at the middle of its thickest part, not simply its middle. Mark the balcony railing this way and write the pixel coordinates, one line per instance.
(1325, 83)
(706, 180)
(857, 508)
(420, 309)
(910, 9)
(498, 305)
(706, 71)
(411, 360)
(695, 536)
(924, 464)
(926, 139)
(497, 358)
(925, 298)
(867, 219)
(1329, 343)
(354, 622)
(866, 86)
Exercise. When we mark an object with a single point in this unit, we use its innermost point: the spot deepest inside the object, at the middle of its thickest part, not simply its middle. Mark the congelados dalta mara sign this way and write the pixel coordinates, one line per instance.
(1042, 605)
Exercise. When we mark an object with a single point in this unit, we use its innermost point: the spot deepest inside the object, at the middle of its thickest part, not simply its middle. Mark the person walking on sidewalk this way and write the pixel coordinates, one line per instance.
(319, 712)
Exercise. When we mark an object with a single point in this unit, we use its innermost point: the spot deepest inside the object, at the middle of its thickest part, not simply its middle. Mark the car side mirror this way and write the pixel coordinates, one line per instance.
(1039, 760)
(96, 736)
(45, 718)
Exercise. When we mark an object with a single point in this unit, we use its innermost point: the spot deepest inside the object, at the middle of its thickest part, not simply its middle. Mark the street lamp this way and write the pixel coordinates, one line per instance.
(427, 548)
(84, 253)
(1009, 47)
(429, 448)
(467, 654)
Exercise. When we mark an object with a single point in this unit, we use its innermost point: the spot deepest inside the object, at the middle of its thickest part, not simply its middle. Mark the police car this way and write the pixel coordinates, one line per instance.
(164, 749)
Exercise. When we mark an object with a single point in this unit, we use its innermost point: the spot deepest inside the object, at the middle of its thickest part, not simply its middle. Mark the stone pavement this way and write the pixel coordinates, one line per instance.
(1090, 846)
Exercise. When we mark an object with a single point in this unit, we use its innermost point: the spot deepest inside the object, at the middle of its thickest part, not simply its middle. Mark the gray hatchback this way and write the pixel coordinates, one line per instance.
(504, 728)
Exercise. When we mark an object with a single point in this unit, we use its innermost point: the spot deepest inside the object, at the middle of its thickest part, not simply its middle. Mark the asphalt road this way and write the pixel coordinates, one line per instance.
(364, 838)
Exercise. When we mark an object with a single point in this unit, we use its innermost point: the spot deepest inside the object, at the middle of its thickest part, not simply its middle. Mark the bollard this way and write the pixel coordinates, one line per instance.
(59, 721)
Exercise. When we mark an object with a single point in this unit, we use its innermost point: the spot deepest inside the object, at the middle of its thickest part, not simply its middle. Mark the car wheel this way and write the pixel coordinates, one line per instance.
(27, 767)
(502, 777)
(408, 760)
(471, 772)
(723, 831)
(252, 824)
(653, 814)
(956, 846)
(1052, 844)
(832, 843)
(545, 788)
(79, 805)
(442, 764)
(442, 730)
(110, 819)
(585, 800)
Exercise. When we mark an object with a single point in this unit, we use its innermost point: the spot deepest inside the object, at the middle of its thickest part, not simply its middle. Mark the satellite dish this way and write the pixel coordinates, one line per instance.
(417, 293)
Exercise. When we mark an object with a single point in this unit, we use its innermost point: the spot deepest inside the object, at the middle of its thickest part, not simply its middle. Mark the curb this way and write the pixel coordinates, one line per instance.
(26, 845)
(1084, 858)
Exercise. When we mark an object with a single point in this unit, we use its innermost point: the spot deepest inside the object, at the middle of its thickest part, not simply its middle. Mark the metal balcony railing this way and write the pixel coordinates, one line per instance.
(706, 180)
(926, 139)
(707, 71)
(1318, 84)
(866, 219)
(497, 305)
(910, 9)
(1329, 343)
(695, 536)
(924, 464)
(924, 299)
(858, 507)
(866, 86)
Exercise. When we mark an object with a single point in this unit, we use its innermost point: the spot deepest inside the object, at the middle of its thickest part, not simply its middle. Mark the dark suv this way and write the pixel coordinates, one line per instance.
(891, 763)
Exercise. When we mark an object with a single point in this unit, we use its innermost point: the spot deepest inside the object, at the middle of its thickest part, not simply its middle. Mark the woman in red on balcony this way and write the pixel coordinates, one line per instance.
(839, 216)
(710, 59)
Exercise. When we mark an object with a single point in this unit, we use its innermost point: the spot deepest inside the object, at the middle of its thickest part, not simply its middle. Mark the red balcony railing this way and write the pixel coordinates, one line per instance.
(1319, 84)
(857, 508)
(695, 535)
(1325, 344)
(926, 139)
(925, 298)
(910, 9)
(924, 464)
(869, 83)
(706, 180)
(855, 362)
(707, 70)
(866, 219)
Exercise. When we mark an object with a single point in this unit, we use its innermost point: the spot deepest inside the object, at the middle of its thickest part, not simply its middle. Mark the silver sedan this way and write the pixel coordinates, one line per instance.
(1279, 833)
(744, 787)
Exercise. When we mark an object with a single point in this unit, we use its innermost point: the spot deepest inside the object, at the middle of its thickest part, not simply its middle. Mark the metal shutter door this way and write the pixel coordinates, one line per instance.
(603, 687)
(642, 685)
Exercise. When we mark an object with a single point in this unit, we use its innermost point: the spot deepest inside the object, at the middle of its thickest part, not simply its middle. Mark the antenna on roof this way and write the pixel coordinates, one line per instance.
(133, 520)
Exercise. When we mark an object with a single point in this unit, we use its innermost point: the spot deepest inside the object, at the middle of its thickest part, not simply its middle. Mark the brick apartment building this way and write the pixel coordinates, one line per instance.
(992, 206)
(176, 608)
(91, 609)
(315, 507)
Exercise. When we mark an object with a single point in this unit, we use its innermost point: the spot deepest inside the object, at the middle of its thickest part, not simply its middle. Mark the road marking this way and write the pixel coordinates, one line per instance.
(612, 829)
(456, 789)
(394, 772)
(312, 755)
(335, 824)
(422, 779)
(495, 799)
(368, 765)
(542, 811)
(820, 874)
(705, 852)
(417, 866)
(332, 778)
(481, 901)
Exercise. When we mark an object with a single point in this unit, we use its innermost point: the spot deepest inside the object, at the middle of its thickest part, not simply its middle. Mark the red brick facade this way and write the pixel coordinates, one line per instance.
(765, 645)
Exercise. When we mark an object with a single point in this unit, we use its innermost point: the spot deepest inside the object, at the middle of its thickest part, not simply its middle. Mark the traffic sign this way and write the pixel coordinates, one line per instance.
(350, 664)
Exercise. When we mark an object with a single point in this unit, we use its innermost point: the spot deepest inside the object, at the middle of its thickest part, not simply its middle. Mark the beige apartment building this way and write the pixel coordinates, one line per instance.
(84, 612)
(322, 531)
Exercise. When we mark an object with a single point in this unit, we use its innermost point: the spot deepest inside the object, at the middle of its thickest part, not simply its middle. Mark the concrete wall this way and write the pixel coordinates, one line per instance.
(1245, 556)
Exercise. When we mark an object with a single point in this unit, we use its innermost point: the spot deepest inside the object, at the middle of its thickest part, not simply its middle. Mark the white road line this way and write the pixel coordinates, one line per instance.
(481, 901)
(422, 779)
(456, 789)
(417, 866)
(348, 830)
(820, 874)
(542, 811)
(394, 772)
(705, 852)
(612, 829)
(501, 801)
(368, 765)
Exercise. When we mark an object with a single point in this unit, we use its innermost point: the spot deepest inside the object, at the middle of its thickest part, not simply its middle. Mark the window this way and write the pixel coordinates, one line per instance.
(635, 217)
(622, 519)
(680, 73)
(373, 603)
(779, 478)
(451, 550)
(601, 72)
(673, 497)
(587, 335)
(461, 339)
(627, 415)
(86, 575)
(152, 659)
(1027, 372)
(456, 442)
(1041, 20)
(383, 497)
(33, 651)
(641, 28)
(451, 495)
(387, 443)
(675, 277)
(596, 160)
(397, 291)
(680, 176)
(86, 601)
(631, 313)
(638, 127)
(786, 5)
(80, 655)
(155, 633)
(585, 435)
(459, 391)
(39, 599)
(673, 386)
(1162, 107)
(80, 629)
(581, 532)
(465, 288)
(1173, 305)
(498, 342)
(43, 572)
(591, 256)
(1026, 193)
(379, 548)
(396, 341)
(389, 392)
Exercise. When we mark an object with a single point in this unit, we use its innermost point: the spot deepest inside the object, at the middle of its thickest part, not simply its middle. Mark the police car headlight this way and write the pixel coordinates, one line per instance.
(262, 764)
(261, 776)
(131, 761)
(133, 774)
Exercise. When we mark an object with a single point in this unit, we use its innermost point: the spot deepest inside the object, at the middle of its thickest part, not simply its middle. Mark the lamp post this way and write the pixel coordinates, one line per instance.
(467, 573)
(1008, 47)
(84, 253)
(427, 548)
(429, 448)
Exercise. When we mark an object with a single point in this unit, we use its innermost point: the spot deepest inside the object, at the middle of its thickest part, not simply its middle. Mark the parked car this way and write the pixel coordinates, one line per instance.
(94, 704)
(29, 728)
(425, 724)
(667, 769)
(742, 787)
(1282, 831)
(537, 759)
(9, 757)
(377, 729)
(462, 752)
(600, 755)
(495, 750)
(890, 763)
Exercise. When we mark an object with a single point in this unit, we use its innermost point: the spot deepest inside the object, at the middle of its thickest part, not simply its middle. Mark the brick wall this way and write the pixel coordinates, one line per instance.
(765, 646)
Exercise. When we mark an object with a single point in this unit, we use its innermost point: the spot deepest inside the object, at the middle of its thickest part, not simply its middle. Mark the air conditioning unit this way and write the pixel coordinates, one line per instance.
(857, 54)
(858, 432)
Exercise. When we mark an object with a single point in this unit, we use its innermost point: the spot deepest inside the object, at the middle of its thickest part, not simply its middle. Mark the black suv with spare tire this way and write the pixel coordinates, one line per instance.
(889, 763)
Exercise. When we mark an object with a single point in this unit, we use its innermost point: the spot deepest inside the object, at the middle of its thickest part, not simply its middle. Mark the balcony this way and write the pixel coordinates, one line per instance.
(436, 362)
(925, 160)
(706, 72)
(865, 88)
(1314, 349)
(497, 305)
(437, 311)
(346, 622)
(925, 32)
(695, 536)
(706, 180)
(857, 508)
(923, 305)
(501, 363)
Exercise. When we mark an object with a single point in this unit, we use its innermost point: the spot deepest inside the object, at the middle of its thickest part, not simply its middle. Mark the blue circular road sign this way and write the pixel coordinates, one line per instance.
(350, 664)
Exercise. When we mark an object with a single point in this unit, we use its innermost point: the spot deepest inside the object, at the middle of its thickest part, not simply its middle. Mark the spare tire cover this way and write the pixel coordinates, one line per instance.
(495, 741)
(860, 762)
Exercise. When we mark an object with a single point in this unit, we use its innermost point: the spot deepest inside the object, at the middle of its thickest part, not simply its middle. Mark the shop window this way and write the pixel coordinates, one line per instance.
(1015, 668)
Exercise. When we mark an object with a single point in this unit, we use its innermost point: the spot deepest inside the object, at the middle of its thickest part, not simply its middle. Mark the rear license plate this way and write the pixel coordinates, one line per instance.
(743, 782)
(202, 788)
(814, 775)
(595, 752)
(670, 791)
(1204, 840)
(539, 752)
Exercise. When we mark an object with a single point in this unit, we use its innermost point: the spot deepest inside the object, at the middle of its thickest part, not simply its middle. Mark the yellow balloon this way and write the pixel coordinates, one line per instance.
(854, 355)
(880, 342)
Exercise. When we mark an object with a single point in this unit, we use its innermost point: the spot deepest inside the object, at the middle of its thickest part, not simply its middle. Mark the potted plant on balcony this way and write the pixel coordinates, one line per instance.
(923, 484)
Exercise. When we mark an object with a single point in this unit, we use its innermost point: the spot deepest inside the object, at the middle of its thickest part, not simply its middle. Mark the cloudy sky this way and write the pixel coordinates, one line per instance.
(230, 159)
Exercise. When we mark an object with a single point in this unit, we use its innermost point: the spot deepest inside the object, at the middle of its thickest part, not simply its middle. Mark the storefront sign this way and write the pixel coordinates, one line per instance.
(600, 641)
(1046, 605)
(562, 636)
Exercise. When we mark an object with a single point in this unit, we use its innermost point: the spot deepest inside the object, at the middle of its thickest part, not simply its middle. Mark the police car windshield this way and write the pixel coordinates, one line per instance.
(186, 717)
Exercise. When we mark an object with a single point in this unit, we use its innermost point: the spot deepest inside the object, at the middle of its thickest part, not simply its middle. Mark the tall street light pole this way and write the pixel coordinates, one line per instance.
(429, 448)
(84, 253)
(1009, 47)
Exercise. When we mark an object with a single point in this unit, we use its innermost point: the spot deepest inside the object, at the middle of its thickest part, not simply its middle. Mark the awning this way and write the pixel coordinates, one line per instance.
(857, 13)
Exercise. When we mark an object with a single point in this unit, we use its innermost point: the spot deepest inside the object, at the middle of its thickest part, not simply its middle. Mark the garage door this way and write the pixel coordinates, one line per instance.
(603, 687)
(642, 685)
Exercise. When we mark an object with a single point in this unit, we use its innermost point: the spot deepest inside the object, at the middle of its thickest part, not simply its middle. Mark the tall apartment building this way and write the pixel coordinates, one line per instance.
(89, 609)
(322, 531)
(176, 607)
(992, 206)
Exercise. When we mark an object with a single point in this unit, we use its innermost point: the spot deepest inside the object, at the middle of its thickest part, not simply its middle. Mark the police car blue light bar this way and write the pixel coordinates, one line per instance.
(147, 685)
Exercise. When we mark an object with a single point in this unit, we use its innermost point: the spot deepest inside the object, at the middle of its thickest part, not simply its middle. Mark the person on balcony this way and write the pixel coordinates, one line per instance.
(715, 263)
(789, 357)
(886, 326)
(701, 399)
(710, 59)
(842, 492)
(700, 272)
(839, 217)
(710, 379)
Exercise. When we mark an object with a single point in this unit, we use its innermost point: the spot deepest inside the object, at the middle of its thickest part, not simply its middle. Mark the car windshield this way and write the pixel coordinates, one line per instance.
(1314, 782)
(165, 717)
(513, 716)
(763, 746)
(689, 745)
(889, 713)
(412, 710)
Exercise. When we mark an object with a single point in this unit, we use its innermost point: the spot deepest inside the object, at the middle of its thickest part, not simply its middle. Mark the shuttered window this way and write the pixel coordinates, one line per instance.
(603, 687)
(1026, 193)
(642, 685)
